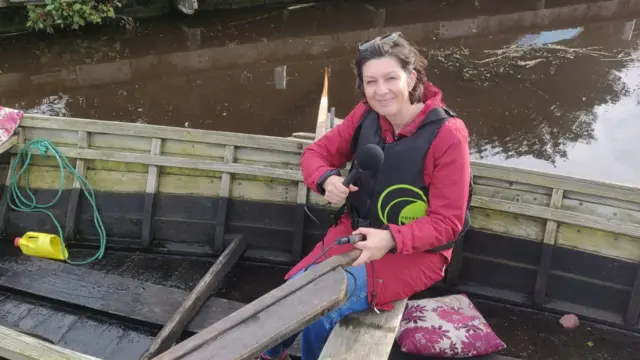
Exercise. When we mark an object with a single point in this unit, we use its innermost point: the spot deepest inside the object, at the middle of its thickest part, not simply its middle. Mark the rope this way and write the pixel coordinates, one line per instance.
(24, 205)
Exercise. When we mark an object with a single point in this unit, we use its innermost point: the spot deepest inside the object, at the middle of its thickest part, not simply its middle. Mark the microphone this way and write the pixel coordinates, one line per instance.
(369, 159)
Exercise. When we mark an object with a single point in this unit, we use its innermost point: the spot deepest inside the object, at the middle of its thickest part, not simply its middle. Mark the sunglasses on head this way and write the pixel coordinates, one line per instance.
(388, 37)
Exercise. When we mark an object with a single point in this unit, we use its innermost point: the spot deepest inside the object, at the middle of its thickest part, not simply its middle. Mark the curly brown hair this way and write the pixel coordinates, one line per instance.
(406, 54)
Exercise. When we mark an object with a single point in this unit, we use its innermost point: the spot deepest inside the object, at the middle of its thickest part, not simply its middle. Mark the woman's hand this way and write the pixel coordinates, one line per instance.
(335, 192)
(378, 243)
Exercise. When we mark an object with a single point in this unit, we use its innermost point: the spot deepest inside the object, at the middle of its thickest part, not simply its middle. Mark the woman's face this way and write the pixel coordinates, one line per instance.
(387, 85)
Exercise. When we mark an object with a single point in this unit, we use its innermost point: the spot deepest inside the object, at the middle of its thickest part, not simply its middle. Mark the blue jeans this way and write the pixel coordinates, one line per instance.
(315, 335)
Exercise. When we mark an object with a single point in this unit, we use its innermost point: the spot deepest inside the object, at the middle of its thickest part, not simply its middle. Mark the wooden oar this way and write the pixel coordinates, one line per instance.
(192, 304)
(323, 109)
(272, 317)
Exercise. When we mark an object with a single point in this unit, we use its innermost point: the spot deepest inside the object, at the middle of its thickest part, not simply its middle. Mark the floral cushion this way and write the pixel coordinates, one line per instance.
(9, 119)
(447, 326)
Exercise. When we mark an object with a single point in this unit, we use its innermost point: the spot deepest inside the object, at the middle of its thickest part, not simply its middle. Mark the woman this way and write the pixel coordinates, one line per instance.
(416, 205)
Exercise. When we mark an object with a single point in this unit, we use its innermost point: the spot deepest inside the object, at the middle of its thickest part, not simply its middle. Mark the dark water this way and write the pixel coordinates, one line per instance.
(556, 109)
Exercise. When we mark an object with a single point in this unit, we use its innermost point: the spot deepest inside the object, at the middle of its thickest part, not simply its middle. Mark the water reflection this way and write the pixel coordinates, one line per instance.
(261, 72)
(601, 144)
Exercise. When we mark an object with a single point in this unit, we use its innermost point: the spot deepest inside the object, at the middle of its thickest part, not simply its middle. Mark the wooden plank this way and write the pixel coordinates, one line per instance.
(40, 320)
(31, 334)
(190, 307)
(163, 132)
(564, 216)
(594, 199)
(9, 143)
(223, 200)
(272, 317)
(507, 173)
(591, 221)
(4, 201)
(632, 315)
(153, 177)
(81, 169)
(110, 294)
(598, 242)
(503, 221)
(40, 177)
(298, 221)
(548, 243)
(303, 136)
(186, 148)
(180, 162)
(556, 181)
(364, 335)
(17, 346)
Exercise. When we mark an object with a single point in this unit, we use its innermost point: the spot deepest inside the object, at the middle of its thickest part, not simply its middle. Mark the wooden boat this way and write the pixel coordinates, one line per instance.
(552, 242)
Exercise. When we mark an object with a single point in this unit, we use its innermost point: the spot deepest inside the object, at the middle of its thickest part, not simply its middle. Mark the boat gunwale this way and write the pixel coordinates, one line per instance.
(161, 131)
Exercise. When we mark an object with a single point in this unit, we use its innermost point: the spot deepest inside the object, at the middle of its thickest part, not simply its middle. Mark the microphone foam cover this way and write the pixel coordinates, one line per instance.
(369, 158)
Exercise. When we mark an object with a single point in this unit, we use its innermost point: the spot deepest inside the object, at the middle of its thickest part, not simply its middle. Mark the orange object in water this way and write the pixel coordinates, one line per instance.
(41, 245)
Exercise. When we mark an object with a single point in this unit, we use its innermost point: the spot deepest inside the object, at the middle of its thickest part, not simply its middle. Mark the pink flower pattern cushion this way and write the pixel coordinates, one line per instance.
(447, 326)
(9, 119)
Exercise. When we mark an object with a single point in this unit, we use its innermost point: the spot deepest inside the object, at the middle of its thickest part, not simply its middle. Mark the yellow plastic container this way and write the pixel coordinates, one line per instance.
(41, 245)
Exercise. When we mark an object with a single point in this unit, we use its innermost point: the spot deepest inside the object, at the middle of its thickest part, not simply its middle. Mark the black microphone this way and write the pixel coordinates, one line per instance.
(369, 159)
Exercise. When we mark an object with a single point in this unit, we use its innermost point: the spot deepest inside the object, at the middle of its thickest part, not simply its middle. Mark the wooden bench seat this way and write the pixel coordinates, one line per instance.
(364, 335)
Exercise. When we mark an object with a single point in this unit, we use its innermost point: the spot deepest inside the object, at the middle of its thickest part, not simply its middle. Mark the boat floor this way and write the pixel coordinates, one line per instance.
(528, 334)
(88, 334)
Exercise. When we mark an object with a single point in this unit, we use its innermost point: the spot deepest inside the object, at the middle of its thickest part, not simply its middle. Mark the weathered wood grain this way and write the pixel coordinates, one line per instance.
(17, 346)
(105, 293)
(158, 131)
(549, 240)
(500, 192)
(272, 317)
(556, 181)
(223, 203)
(564, 216)
(190, 307)
(505, 200)
(81, 169)
(153, 178)
(364, 335)
(173, 161)
(9, 143)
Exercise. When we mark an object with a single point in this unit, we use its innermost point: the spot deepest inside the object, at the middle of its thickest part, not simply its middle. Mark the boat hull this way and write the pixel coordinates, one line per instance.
(553, 242)
(494, 266)
(180, 224)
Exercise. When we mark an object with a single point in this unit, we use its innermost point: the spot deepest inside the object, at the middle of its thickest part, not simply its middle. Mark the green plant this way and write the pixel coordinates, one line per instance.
(69, 14)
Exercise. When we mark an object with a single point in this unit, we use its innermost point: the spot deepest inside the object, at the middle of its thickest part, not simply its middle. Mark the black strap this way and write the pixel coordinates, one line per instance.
(436, 114)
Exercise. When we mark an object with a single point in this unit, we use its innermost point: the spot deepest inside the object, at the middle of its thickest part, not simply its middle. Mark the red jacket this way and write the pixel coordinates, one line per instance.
(447, 171)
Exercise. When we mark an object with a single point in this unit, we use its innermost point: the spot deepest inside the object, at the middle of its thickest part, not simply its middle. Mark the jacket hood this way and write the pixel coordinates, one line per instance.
(432, 95)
